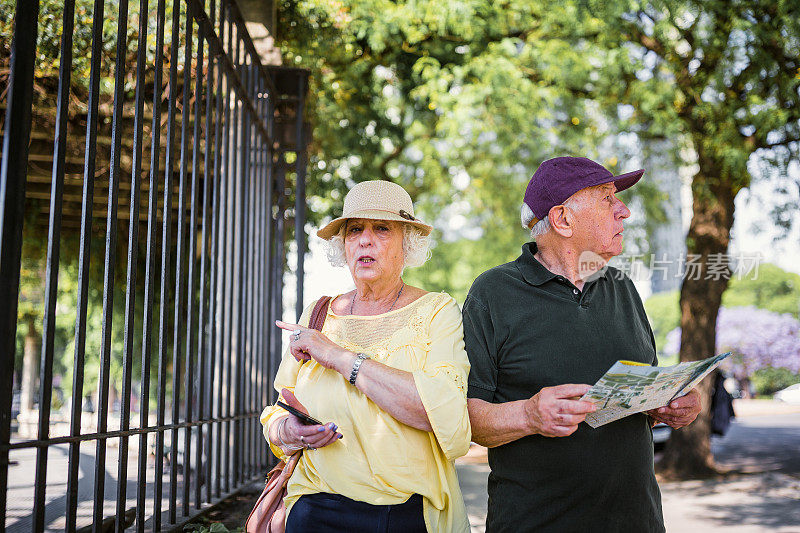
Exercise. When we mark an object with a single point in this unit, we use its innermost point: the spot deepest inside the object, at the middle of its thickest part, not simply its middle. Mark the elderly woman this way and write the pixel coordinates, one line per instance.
(388, 372)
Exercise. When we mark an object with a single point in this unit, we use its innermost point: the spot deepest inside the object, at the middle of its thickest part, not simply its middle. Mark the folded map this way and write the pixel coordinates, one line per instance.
(628, 387)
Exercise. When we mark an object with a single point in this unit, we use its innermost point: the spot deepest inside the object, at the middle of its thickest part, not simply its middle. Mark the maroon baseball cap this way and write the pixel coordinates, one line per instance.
(559, 178)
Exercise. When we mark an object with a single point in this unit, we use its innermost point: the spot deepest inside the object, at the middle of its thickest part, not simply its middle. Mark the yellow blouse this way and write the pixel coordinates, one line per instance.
(379, 460)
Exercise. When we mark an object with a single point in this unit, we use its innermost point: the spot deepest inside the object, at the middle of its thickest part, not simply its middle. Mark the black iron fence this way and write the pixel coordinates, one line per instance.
(179, 147)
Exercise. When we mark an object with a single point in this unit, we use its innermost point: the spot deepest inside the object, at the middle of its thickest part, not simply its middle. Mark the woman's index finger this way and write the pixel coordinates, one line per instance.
(289, 326)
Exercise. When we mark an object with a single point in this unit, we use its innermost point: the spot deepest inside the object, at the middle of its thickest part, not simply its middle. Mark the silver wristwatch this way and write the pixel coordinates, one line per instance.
(356, 366)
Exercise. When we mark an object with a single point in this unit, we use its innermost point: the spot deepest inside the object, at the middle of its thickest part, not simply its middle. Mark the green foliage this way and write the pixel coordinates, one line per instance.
(773, 289)
(457, 102)
(719, 76)
(664, 314)
(768, 381)
(48, 52)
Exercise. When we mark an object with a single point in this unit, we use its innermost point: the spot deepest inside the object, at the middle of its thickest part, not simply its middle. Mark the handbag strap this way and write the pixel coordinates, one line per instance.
(316, 322)
(319, 313)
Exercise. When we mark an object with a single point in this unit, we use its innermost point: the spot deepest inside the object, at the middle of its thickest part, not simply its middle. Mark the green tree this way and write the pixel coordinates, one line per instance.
(720, 78)
(459, 102)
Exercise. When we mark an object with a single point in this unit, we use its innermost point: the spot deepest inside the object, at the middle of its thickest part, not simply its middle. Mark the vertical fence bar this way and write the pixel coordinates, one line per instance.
(257, 309)
(272, 330)
(269, 225)
(300, 193)
(280, 235)
(166, 239)
(133, 258)
(202, 354)
(258, 328)
(149, 297)
(263, 322)
(87, 204)
(252, 151)
(110, 265)
(225, 177)
(52, 266)
(248, 368)
(244, 291)
(229, 303)
(255, 329)
(12, 200)
(192, 260)
(241, 345)
(259, 275)
(179, 274)
(210, 326)
(224, 333)
(215, 292)
(241, 226)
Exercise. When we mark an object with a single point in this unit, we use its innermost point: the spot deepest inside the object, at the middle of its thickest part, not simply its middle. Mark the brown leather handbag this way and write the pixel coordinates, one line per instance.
(269, 513)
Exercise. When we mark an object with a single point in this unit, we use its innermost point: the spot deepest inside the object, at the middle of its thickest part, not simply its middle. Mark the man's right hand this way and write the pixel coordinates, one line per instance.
(557, 411)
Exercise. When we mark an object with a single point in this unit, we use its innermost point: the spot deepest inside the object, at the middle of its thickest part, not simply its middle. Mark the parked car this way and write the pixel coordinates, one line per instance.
(661, 434)
(790, 394)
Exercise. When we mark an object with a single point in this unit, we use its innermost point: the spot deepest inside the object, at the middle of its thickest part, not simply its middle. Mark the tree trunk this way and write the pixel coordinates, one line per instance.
(30, 360)
(688, 451)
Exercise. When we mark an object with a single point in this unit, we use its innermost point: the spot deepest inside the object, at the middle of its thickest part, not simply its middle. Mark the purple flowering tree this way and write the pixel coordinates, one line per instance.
(758, 339)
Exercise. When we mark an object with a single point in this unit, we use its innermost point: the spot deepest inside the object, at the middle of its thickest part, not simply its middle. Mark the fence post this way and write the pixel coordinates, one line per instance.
(12, 204)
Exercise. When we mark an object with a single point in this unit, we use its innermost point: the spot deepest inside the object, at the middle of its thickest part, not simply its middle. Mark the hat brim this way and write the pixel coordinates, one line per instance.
(332, 227)
(627, 180)
(621, 182)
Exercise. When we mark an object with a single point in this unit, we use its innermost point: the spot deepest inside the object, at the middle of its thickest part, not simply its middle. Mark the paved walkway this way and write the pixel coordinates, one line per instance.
(763, 442)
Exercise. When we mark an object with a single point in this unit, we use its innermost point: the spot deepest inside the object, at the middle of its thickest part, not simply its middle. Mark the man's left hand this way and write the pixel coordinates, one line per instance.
(680, 412)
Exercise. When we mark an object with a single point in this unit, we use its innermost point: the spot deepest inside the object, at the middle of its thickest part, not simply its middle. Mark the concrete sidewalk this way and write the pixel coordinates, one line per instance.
(747, 503)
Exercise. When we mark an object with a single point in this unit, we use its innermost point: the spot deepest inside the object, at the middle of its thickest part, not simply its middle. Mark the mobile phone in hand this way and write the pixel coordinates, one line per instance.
(304, 418)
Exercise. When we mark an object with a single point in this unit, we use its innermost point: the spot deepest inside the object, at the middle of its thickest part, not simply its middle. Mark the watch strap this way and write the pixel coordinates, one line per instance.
(356, 367)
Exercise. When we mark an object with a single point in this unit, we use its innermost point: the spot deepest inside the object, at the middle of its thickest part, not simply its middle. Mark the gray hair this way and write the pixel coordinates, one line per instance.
(416, 247)
(543, 226)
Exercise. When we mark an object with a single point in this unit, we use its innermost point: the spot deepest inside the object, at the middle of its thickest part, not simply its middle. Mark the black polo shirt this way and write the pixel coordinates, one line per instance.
(526, 328)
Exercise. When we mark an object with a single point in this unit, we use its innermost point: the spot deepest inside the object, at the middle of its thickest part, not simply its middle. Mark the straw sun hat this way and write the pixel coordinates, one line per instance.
(377, 200)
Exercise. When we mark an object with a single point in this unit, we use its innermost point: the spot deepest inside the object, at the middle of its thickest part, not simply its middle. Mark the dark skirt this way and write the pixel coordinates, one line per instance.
(323, 512)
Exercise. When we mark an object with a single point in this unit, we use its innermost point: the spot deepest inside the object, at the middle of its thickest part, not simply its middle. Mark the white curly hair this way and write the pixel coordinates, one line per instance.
(416, 247)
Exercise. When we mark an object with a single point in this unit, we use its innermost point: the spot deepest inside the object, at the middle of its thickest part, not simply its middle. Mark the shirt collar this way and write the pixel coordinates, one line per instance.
(531, 269)
(536, 273)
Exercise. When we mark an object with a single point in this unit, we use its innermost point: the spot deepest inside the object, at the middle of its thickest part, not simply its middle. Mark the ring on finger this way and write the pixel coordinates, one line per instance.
(296, 334)
(303, 440)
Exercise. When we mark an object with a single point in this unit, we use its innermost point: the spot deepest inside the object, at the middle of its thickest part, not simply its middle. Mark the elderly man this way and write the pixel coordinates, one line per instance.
(538, 331)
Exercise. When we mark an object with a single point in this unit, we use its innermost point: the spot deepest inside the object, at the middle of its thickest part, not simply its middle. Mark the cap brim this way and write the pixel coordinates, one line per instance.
(627, 180)
(332, 228)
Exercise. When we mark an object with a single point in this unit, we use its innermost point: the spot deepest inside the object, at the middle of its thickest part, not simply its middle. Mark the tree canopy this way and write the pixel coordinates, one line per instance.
(459, 101)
